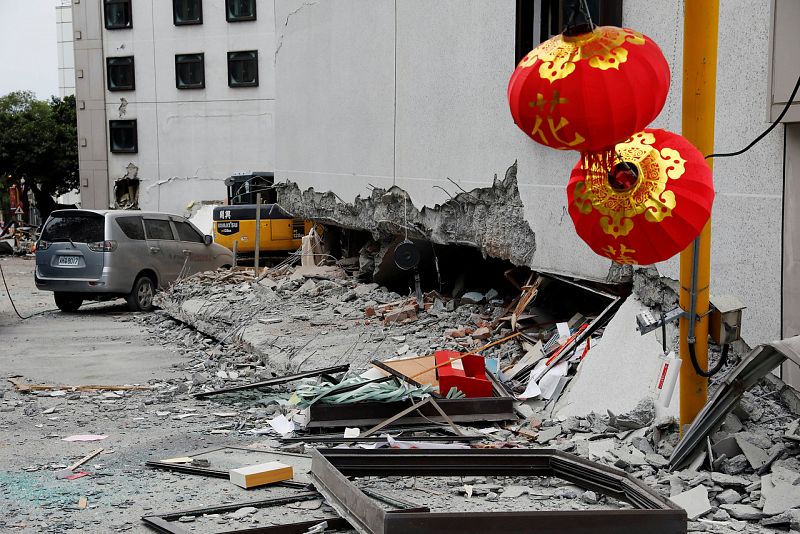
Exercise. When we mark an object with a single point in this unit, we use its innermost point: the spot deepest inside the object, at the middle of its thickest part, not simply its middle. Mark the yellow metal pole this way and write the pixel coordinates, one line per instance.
(700, 27)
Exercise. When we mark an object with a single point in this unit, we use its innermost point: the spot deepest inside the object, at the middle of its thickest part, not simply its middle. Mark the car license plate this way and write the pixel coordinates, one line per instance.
(68, 260)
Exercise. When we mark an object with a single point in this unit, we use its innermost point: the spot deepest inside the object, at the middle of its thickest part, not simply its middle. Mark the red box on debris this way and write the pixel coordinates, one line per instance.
(467, 374)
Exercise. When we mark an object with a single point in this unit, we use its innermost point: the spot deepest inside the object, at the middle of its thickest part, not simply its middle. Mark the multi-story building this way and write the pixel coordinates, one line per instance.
(66, 53)
(412, 94)
(172, 98)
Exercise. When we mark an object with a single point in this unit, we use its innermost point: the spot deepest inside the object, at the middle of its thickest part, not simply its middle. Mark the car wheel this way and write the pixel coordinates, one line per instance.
(141, 297)
(67, 302)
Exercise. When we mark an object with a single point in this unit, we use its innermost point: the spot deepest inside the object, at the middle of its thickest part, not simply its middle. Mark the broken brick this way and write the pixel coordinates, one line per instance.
(482, 333)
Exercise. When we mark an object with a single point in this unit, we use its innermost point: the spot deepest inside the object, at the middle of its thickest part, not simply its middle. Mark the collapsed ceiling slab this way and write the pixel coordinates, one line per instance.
(487, 218)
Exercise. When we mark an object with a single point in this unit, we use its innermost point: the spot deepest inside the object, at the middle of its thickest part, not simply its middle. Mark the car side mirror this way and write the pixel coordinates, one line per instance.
(207, 239)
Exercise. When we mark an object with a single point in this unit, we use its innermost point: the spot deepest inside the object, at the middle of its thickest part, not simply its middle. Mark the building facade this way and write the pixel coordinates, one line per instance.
(172, 98)
(417, 97)
(66, 52)
(354, 95)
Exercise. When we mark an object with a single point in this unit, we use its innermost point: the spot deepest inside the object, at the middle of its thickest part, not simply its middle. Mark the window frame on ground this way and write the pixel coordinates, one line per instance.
(118, 66)
(176, 8)
(115, 126)
(539, 20)
(127, 13)
(161, 221)
(190, 59)
(237, 57)
(230, 16)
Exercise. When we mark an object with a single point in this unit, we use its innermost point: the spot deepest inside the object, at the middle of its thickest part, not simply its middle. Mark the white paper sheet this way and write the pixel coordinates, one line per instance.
(549, 382)
(563, 330)
(539, 371)
(281, 425)
(531, 391)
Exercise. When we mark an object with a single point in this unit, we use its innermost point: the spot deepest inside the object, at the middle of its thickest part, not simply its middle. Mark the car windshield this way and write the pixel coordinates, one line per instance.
(78, 228)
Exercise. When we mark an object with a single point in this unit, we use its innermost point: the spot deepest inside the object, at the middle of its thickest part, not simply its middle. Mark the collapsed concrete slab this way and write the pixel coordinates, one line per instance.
(490, 219)
(619, 372)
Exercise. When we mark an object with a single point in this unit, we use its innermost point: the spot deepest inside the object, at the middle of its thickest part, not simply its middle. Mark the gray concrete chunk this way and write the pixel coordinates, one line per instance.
(756, 456)
(780, 497)
(744, 512)
(694, 501)
(730, 480)
(548, 434)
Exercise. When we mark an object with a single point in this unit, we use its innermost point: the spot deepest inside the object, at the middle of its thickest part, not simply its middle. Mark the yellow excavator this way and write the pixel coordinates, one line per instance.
(235, 224)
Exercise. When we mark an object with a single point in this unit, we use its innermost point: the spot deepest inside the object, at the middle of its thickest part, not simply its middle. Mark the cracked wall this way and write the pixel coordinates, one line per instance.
(490, 219)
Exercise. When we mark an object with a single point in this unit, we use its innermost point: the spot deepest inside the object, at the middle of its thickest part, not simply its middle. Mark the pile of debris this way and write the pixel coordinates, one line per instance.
(326, 361)
(18, 240)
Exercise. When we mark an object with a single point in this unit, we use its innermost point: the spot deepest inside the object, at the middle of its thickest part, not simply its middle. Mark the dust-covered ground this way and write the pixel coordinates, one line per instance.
(220, 333)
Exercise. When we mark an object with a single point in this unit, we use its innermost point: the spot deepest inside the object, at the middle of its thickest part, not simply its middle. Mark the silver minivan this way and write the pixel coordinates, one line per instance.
(101, 254)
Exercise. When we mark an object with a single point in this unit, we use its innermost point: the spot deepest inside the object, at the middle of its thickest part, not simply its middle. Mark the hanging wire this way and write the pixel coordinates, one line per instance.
(578, 6)
(765, 132)
(586, 12)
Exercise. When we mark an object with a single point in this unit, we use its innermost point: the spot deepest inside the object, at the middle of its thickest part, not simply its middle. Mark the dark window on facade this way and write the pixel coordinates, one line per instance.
(124, 137)
(158, 229)
(131, 227)
(240, 10)
(187, 12)
(118, 14)
(190, 71)
(538, 21)
(121, 73)
(187, 233)
(243, 69)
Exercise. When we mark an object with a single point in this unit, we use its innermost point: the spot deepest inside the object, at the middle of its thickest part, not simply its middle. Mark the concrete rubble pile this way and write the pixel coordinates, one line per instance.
(236, 331)
(18, 240)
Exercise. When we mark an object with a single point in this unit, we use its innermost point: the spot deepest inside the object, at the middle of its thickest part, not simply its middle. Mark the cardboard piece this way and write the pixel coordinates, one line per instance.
(467, 374)
(531, 357)
(411, 366)
(261, 474)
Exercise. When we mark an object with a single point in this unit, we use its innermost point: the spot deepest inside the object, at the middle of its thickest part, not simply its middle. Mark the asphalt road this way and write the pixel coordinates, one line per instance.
(100, 344)
(97, 345)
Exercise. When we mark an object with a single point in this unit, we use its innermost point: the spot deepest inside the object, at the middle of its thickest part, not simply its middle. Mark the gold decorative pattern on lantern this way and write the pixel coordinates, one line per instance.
(648, 196)
(601, 48)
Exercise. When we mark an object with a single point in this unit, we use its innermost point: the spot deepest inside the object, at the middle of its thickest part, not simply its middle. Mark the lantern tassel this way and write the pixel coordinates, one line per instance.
(602, 161)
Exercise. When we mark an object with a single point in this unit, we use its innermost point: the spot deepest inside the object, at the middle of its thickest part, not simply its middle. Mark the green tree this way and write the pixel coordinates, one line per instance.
(38, 142)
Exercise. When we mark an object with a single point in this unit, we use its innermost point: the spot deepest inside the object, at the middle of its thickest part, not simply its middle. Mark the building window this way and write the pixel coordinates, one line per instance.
(187, 12)
(189, 71)
(243, 69)
(118, 14)
(240, 10)
(539, 20)
(121, 74)
(123, 136)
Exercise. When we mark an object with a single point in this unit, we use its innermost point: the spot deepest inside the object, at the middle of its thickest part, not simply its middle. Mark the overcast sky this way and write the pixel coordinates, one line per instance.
(28, 51)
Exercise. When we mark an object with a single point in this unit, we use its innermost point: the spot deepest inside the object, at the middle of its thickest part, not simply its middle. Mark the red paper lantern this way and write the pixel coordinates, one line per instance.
(651, 206)
(590, 91)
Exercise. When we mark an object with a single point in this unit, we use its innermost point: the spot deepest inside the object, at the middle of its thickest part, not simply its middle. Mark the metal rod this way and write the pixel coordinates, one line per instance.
(418, 287)
(258, 234)
(275, 381)
(235, 253)
(693, 290)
